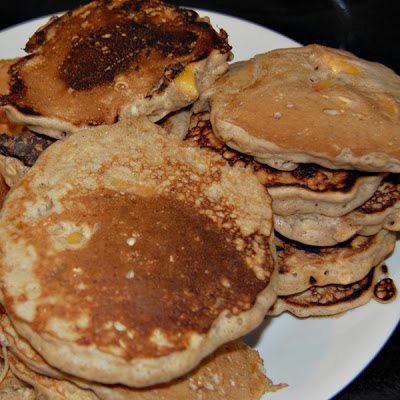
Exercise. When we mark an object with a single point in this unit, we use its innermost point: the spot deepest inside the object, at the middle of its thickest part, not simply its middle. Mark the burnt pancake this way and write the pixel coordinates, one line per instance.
(381, 211)
(301, 266)
(112, 59)
(309, 188)
(332, 299)
(25, 146)
(127, 256)
(311, 104)
(19, 148)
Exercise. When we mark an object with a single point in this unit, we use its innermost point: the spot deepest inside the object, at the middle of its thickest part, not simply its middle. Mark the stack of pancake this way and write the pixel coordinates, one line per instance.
(320, 129)
(132, 261)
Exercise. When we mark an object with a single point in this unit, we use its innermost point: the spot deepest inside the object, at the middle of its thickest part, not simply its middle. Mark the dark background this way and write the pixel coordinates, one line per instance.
(369, 28)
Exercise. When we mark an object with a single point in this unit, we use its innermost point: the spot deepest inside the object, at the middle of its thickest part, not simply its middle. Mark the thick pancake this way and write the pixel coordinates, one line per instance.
(234, 371)
(112, 59)
(301, 266)
(328, 300)
(307, 189)
(311, 104)
(163, 250)
(381, 211)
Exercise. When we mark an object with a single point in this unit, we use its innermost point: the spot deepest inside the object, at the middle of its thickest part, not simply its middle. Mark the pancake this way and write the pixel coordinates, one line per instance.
(307, 189)
(24, 146)
(310, 104)
(5, 124)
(11, 388)
(165, 252)
(177, 123)
(109, 60)
(234, 371)
(328, 300)
(46, 388)
(301, 266)
(18, 146)
(381, 211)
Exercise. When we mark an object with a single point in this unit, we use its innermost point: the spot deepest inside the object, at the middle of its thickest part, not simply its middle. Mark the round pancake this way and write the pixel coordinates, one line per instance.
(233, 371)
(108, 60)
(320, 301)
(381, 211)
(307, 189)
(311, 104)
(301, 266)
(128, 256)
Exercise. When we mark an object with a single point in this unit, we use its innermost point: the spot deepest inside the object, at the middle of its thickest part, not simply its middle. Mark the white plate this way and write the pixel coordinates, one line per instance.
(315, 357)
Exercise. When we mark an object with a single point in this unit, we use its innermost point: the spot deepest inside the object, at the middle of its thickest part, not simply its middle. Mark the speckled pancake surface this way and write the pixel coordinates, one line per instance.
(233, 371)
(311, 104)
(128, 256)
(110, 59)
(301, 266)
(319, 301)
(309, 188)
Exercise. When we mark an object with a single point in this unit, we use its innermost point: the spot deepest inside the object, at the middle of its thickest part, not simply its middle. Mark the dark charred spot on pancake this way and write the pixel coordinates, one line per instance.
(331, 295)
(316, 178)
(170, 73)
(385, 290)
(312, 280)
(201, 134)
(25, 146)
(386, 196)
(153, 263)
(355, 243)
(97, 58)
(40, 36)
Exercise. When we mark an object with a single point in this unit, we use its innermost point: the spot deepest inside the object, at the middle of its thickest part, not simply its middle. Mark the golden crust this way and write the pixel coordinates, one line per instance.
(301, 266)
(311, 104)
(234, 371)
(381, 211)
(150, 296)
(331, 299)
(106, 60)
(308, 188)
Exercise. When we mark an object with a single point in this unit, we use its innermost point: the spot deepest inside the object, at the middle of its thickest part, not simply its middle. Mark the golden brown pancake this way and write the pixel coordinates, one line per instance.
(381, 211)
(234, 371)
(307, 189)
(301, 266)
(112, 59)
(331, 299)
(163, 251)
(311, 104)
